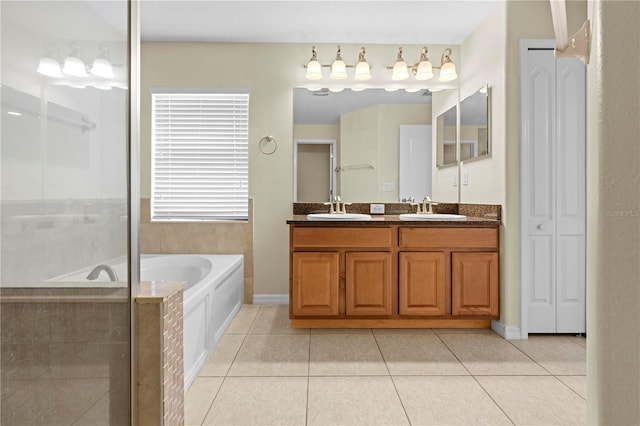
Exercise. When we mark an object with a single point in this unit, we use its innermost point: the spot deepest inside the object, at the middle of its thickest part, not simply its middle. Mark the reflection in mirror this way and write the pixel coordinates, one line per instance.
(474, 130)
(446, 133)
(366, 126)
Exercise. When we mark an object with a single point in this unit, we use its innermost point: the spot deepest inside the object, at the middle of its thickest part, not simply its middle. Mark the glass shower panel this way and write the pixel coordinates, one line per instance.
(65, 333)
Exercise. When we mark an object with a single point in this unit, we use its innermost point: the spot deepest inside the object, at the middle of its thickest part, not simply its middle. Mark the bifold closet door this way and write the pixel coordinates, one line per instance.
(553, 183)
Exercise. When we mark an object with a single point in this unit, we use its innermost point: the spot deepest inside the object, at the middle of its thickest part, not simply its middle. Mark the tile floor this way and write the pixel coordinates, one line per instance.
(264, 372)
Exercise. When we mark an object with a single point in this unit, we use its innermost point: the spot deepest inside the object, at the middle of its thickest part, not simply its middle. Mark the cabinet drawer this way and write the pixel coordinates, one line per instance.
(342, 237)
(448, 238)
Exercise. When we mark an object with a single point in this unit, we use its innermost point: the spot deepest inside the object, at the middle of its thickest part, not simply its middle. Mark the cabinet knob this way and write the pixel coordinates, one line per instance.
(540, 227)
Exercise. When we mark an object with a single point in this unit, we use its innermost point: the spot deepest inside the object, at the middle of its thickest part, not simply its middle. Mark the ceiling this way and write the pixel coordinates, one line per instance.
(306, 21)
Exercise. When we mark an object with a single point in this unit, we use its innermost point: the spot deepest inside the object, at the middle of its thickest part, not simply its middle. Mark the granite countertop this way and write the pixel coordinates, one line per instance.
(393, 219)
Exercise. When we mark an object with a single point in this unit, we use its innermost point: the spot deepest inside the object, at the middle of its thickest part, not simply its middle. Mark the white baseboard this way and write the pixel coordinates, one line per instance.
(509, 332)
(270, 299)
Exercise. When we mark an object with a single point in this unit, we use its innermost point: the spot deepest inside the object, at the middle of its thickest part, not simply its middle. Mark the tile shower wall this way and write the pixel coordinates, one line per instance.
(42, 239)
(200, 237)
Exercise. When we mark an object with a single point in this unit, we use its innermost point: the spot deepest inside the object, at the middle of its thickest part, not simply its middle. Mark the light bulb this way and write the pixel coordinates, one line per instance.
(314, 68)
(338, 68)
(74, 66)
(400, 71)
(102, 68)
(363, 70)
(49, 67)
(425, 71)
(448, 72)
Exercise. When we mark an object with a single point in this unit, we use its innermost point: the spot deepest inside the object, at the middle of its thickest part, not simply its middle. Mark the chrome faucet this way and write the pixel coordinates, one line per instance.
(337, 208)
(426, 206)
(106, 268)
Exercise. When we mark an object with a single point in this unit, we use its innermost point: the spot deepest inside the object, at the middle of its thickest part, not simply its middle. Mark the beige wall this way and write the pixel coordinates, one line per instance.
(316, 131)
(613, 210)
(270, 113)
(372, 135)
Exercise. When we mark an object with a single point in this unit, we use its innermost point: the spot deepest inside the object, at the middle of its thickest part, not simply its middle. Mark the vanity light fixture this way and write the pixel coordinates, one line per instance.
(314, 69)
(338, 68)
(423, 70)
(336, 89)
(363, 70)
(448, 68)
(400, 71)
(73, 65)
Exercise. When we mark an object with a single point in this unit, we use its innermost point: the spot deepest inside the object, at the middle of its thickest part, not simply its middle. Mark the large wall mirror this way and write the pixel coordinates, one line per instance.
(368, 128)
(475, 135)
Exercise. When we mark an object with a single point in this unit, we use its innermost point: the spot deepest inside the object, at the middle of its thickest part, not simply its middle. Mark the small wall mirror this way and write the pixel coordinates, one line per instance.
(446, 133)
(475, 139)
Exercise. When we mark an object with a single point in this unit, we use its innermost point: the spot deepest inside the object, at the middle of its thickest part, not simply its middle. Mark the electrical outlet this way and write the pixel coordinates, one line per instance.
(376, 209)
(465, 178)
(455, 179)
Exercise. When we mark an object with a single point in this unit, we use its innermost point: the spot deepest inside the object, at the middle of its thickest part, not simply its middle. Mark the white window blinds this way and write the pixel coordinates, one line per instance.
(199, 156)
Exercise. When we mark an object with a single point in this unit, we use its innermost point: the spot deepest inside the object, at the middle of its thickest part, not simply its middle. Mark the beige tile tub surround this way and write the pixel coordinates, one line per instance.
(62, 356)
(160, 360)
(221, 237)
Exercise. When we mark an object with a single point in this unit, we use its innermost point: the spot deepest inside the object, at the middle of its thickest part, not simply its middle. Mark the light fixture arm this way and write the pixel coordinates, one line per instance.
(446, 57)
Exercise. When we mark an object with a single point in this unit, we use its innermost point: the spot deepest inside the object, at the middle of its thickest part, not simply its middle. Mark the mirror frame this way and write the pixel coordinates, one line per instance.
(456, 139)
(489, 136)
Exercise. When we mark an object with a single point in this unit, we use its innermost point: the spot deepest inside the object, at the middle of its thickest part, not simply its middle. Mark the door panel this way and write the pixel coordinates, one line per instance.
(415, 161)
(422, 283)
(315, 284)
(553, 183)
(368, 284)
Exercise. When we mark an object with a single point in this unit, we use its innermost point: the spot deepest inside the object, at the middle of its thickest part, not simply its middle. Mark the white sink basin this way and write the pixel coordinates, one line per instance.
(338, 216)
(433, 216)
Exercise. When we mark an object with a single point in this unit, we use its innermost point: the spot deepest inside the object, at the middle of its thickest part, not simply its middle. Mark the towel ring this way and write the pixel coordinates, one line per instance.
(266, 141)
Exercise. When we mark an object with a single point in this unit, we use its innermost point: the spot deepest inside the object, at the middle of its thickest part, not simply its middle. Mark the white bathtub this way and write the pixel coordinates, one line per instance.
(213, 295)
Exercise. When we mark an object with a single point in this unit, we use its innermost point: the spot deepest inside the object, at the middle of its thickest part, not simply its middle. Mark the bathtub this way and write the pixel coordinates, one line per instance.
(212, 296)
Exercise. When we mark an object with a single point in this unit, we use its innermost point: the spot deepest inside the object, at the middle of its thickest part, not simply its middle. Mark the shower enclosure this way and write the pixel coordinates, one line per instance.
(64, 200)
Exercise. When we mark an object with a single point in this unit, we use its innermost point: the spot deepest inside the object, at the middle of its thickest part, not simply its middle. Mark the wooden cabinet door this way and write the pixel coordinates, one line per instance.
(315, 284)
(475, 284)
(422, 284)
(368, 284)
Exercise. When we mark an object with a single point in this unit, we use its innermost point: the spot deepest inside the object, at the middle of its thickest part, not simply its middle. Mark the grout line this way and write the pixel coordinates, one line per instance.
(404, 409)
(476, 380)
(531, 358)
(213, 400)
(492, 399)
(570, 388)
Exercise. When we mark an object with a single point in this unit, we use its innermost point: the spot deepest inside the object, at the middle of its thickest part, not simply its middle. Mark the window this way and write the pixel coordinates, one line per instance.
(199, 156)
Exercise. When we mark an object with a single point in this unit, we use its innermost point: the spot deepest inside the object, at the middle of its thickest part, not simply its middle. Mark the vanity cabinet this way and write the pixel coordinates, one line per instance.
(393, 275)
